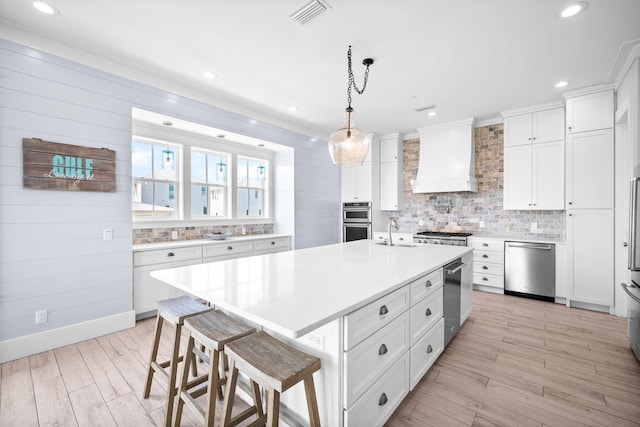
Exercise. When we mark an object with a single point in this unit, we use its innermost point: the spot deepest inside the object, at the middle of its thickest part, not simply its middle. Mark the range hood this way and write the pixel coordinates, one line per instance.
(447, 157)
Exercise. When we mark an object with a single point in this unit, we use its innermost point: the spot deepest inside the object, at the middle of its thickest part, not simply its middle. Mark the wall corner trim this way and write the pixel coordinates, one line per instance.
(48, 340)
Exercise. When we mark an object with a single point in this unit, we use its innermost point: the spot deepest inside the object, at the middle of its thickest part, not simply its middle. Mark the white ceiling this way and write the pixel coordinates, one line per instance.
(471, 58)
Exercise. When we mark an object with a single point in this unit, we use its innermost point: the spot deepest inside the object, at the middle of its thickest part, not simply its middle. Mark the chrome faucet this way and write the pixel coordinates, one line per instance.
(392, 223)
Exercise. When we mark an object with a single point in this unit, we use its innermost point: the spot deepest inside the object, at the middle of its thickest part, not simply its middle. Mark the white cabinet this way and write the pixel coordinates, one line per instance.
(271, 246)
(466, 288)
(590, 111)
(488, 263)
(590, 198)
(590, 174)
(146, 289)
(227, 250)
(357, 182)
(590, 256)
(534, 161)
(391, 172)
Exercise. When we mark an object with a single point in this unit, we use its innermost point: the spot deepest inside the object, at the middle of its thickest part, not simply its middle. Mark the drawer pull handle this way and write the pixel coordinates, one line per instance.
(229, 248)
(485, 256)
(383, 310)
(171, 254)
(485, 279)
(401, 239)
(428, 312)
(485, 244)
(428, 284)
(429, 349)
(273, 243)
(484, 267)
(383, 400)
(382, 350)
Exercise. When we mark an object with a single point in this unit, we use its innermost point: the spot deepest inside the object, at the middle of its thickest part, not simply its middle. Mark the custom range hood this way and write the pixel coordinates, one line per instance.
(447, 157)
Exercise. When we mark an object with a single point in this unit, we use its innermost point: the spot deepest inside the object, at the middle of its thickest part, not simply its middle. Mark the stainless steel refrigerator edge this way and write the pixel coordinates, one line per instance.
(633, 289)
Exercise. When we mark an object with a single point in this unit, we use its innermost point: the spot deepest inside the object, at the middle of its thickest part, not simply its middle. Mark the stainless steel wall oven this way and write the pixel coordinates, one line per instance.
(356, 221)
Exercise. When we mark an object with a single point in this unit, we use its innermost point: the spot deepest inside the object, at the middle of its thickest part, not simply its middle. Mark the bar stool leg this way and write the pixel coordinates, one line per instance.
(183, 382)
(173, 369)
(273, 408)
(214, 381)
(154, 356)
(230, 393)
(312, 401)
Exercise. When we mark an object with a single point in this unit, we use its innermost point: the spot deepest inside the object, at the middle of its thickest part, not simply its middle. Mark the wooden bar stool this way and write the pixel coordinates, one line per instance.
(275, 366)
(174, 311)
(212, 330)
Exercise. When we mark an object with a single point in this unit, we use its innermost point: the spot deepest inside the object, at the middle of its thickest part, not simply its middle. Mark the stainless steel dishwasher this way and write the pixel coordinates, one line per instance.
(530, 270)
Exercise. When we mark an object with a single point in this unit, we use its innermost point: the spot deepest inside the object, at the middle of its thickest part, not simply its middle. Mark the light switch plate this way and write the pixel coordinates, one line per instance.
(107, 234)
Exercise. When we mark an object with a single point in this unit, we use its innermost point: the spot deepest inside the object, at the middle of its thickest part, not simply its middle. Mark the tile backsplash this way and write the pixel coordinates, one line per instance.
(163, 234)
(468, 209)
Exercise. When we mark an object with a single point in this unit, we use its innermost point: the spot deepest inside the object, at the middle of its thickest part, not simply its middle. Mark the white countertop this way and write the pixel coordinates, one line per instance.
(514, 237)
(295, 292)
(197, 242)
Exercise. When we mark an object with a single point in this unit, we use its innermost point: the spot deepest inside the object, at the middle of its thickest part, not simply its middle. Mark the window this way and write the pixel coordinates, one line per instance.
(251, 175)
(208, 184)
(155, 179)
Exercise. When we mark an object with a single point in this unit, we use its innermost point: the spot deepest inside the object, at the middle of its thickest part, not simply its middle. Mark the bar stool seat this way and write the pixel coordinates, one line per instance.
(174, 311)
(212, 330)
(275, 366)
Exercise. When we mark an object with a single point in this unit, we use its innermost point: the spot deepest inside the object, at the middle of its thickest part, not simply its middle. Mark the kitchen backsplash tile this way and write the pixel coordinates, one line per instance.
(468, 209)
(163, 234)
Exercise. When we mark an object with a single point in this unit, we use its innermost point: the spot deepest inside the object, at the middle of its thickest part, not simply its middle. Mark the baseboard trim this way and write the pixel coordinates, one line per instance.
(43, 341)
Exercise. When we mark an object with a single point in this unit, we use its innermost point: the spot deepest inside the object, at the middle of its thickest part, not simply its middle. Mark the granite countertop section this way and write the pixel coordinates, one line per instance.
(516, 237)
(296, 292)
(198, 242)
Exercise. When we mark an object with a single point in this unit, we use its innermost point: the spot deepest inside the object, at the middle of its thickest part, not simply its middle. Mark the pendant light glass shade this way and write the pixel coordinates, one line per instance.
(348, 146)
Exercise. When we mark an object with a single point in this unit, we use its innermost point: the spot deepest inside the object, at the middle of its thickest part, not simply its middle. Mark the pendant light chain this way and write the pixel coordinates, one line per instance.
(352, 80)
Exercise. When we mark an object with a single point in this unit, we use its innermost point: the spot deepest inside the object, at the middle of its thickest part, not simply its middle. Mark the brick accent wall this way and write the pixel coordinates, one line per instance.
(468, 209)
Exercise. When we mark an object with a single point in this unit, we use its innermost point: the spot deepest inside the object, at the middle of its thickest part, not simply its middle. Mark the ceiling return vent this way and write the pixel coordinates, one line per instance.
(308, 11)
(447, 158)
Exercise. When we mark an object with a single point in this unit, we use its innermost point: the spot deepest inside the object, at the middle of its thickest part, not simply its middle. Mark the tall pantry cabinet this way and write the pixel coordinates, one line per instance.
(589, 196)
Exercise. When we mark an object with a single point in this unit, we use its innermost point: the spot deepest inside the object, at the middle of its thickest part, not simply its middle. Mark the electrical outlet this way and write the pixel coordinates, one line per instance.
(244, 231)
(534, 226)
(174, 235)
(316, 340)
(481, 224)
(107, 234)
(41, 317)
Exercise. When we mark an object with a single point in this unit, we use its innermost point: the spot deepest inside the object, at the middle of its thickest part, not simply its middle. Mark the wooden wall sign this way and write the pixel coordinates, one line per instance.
(54, 166)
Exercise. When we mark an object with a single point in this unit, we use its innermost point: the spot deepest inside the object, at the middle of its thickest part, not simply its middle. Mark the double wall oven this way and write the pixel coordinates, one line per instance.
(356, 221)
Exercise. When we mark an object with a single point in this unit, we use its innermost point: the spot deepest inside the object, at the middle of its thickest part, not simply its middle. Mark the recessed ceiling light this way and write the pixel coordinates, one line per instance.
(573, 9)
(45, 7)
(293, 108)
(432, 113)
(167, 123)
(209, 75)
(561, 84)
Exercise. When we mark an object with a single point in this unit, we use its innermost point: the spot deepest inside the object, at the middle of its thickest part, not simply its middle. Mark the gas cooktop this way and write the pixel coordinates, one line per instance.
(443, 234)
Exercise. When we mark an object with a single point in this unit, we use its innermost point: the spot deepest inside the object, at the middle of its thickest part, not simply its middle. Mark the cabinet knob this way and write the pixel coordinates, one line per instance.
(485, 279)
(428, 284)
(485, 256)
(570, 128)
(383, 310)
(401, 238)
(383, 400)
(624, 244)
(273, 243)
(485, 244)
(382, 350)
(171, 254)
(229, 248)
(429, 349)
(428, 312)
(484, 267)
(570, 203)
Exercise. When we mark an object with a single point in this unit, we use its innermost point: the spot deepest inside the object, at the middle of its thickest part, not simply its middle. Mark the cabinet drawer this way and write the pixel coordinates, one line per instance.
(367, 362)
(167, 255)
(425, 314)
(492, 280)
(487, 244)
(363, 322)
(488, 268)
(480, 256)
(425, 352)
(425, 286)
(379, 402)
(229, 248)
(277, 243)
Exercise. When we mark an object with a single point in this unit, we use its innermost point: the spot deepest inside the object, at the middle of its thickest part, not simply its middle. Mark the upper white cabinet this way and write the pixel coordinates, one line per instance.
(591, 111)
(357, 182)
(391, 172)
(534, 160)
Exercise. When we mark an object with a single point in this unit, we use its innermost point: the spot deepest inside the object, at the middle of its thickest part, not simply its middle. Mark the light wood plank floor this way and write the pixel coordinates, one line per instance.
(515, 362)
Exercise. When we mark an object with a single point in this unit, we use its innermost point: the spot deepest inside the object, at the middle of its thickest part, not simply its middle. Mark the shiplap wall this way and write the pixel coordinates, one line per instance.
(52, 255)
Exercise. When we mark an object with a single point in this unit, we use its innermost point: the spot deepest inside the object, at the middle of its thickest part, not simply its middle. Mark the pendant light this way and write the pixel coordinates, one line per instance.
(349, 146)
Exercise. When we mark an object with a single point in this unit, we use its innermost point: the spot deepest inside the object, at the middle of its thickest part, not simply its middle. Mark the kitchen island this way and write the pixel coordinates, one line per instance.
(336, 302)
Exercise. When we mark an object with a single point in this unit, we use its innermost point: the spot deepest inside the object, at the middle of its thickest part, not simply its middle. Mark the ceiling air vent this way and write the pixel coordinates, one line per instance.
(308, 11)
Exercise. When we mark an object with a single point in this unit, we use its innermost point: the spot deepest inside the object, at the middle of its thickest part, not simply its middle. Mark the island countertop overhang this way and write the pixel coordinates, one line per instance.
(296, 292)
